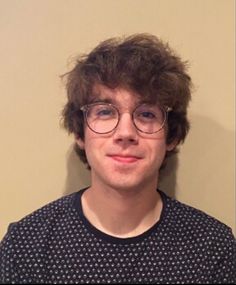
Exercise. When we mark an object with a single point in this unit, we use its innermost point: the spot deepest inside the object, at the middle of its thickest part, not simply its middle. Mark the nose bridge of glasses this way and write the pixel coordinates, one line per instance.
(126, 122)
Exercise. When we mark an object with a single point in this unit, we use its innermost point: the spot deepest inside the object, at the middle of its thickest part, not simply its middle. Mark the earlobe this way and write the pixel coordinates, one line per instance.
(172, 145)
(80, 143)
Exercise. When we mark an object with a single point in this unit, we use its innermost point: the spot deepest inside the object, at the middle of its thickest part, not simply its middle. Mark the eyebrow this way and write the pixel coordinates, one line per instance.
(112, 101)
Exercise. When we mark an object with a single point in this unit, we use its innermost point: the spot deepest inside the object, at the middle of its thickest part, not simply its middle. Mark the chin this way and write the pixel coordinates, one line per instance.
(125, 184)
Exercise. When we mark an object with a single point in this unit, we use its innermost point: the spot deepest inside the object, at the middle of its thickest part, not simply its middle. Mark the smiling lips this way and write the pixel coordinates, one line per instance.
(125, 158)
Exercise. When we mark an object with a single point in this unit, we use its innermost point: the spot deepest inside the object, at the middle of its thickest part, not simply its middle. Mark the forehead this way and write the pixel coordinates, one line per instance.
(118, 96)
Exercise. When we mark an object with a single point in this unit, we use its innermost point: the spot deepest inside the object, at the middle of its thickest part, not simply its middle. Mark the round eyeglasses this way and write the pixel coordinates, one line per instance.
(103, 118)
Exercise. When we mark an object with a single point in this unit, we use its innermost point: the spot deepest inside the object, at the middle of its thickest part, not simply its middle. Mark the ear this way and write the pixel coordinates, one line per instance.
(172, 145)
(80, 142)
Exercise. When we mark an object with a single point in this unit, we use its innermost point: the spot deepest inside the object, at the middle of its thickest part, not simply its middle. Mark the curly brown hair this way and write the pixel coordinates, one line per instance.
(142, 63)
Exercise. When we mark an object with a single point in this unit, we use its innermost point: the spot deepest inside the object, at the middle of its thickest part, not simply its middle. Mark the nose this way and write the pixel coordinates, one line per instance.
(126, 131)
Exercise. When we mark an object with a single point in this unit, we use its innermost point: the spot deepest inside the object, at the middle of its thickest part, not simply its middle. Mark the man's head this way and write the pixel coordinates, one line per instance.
(141, 64)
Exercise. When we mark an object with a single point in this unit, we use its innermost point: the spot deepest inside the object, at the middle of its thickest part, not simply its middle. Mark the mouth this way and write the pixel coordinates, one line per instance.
(124, 158)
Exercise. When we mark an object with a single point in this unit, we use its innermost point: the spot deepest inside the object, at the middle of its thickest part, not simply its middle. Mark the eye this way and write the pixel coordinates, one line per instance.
(147, 115)
(104, 112)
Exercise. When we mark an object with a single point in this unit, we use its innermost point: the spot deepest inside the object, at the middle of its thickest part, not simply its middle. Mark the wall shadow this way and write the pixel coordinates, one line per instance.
(208, 155)
(168, 176)
(78, 176)
(204, 167)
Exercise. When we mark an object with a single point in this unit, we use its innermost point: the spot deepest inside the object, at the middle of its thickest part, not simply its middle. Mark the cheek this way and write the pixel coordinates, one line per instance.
(89, 148)
(157, 152)
(93, 149)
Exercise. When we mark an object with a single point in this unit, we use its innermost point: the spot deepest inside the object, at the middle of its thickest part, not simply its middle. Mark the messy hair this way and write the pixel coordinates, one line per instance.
(141, 63)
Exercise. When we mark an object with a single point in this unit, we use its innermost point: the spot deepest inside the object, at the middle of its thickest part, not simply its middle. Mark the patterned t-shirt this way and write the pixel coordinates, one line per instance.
(57, 245)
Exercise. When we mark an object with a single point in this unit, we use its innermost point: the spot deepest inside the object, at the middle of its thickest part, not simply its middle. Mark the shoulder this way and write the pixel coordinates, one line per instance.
(204, 239)
(50, 211)
(189, 222)
(42, 222)
(27, 241)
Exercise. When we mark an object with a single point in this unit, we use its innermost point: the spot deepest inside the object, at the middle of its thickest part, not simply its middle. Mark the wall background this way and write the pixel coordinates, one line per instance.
(39, 40)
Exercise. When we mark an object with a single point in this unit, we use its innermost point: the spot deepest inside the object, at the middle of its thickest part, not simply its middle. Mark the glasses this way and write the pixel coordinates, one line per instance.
(103, 118)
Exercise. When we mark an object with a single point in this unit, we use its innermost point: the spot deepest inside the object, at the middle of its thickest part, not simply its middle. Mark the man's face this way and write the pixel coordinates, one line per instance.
(125, 158)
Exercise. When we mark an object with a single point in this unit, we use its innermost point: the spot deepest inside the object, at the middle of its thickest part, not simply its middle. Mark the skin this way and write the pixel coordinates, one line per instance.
(122, 200)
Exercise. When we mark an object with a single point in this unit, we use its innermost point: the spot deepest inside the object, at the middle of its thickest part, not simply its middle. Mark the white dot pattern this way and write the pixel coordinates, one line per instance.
(57, 245)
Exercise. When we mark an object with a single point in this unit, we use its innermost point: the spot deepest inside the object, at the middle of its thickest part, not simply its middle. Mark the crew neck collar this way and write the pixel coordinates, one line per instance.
(113, 239)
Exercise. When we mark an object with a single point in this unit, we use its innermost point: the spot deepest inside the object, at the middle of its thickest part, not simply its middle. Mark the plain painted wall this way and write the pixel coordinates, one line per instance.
(39, 41)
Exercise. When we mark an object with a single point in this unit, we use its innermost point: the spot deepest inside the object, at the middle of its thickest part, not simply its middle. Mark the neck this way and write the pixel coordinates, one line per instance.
(122, 213)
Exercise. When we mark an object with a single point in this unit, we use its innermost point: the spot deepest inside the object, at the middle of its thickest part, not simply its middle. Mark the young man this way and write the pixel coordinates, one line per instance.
(127, 105)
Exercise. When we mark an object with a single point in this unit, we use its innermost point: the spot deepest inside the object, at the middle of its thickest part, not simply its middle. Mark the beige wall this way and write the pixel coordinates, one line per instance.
(39, 38)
